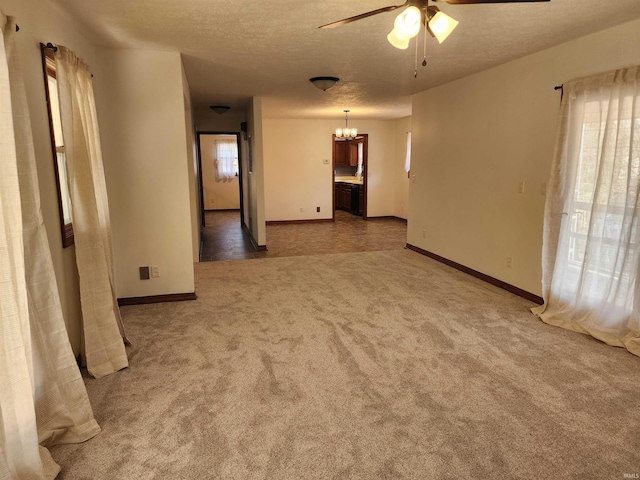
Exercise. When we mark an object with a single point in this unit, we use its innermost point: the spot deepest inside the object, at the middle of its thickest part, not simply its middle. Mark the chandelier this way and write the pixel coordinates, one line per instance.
(346, 133)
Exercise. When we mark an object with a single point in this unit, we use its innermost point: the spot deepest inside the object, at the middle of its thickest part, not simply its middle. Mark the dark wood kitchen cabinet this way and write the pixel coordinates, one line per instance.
(345, 152)
(349, 197)
(353, 151)
(341, 153)
(344, 196)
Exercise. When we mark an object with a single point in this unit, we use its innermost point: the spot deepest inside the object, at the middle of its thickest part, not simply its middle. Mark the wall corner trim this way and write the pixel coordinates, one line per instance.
(259, 248)
(474, 273)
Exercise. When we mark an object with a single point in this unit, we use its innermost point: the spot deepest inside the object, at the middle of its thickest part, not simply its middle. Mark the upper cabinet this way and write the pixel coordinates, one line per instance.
(341, 153)
(345, 152)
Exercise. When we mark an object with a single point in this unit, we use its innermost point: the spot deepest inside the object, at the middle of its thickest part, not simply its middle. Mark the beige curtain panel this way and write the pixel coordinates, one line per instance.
(592, 213)
(43, 399)
(104, 336)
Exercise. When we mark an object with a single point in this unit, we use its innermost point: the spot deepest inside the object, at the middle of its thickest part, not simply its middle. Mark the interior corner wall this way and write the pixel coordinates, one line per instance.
(257, 224)
(296, 176)
(192, 166)
(475, 139)
(140, 104)
(400, 176)
(45, 22)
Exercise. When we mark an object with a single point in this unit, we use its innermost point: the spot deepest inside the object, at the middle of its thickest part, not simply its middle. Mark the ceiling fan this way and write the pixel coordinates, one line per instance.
(418, 12)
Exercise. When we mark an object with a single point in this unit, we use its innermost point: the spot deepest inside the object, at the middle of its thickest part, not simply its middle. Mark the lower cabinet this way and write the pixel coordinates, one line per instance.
(349, 197)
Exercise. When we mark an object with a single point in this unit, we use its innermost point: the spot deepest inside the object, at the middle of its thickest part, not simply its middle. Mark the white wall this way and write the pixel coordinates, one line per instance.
(140, 103)
(228, 122)
(45, 22)
(476, 138)
(400, 177)
(218, 195)
(297, 177)
(256, 184)
(192, 167)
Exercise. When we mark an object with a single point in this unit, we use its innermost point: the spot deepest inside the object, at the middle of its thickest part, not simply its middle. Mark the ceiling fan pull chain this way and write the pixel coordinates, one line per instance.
(415, 62)
(424, 51)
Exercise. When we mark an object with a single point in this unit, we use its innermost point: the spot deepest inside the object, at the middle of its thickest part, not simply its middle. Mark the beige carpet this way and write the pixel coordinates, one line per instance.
(373, 365)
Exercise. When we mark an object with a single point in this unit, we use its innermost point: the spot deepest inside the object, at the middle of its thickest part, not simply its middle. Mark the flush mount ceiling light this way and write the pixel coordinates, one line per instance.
(324, 83)
(346, 133)
(220, 109)
(418, 12)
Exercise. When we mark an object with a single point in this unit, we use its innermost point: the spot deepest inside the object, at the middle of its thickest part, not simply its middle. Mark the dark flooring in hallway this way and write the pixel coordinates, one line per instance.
(224, 239)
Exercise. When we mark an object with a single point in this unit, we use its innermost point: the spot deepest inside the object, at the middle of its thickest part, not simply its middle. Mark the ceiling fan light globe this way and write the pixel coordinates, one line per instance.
(408, 22)
(398, 40)
(441, 25)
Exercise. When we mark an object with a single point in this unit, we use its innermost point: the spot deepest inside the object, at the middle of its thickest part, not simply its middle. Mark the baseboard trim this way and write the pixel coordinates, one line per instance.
(171, 297)
(292, 222)
(482, 276)
(388, 217)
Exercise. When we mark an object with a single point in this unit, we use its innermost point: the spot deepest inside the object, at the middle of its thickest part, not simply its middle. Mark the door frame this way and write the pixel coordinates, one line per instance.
(365, 181)
(240, 173)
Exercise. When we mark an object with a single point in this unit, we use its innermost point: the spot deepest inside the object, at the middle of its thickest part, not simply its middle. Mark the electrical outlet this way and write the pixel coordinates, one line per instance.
(543, 189)
(301, 209)
(424, 234)
(521, 186)
(509, 262)
(155, 271)
(144, 273)
(318, 209)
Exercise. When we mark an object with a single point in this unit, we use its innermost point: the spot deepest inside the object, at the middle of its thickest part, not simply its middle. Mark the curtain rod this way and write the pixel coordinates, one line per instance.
(561, 88)
(50, 46)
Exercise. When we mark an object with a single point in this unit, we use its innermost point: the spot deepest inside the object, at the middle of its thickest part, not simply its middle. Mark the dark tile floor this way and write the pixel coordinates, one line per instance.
(224, 239)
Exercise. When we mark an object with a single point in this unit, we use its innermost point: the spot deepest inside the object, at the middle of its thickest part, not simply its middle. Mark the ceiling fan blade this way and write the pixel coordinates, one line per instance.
(344, 21)
(471, 2)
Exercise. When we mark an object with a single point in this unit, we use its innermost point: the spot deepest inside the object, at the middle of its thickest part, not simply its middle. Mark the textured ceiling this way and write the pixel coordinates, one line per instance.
(235, 49)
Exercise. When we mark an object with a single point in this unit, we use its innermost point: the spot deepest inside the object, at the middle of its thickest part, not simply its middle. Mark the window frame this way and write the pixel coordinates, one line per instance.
(49, 70)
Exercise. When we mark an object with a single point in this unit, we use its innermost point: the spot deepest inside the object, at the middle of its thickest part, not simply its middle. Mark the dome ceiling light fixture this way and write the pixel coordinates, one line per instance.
(220, 109)
(324, 83)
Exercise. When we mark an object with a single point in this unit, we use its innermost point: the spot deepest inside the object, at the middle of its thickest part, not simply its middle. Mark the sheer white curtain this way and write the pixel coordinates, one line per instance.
(102, 325)
(407, 158)
(226, 160)
(591, 236)
(42, 395)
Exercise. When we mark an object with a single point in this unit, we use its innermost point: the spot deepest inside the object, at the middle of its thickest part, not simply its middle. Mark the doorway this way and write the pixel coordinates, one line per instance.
(220, 190)
(221, 172)
(350, 168)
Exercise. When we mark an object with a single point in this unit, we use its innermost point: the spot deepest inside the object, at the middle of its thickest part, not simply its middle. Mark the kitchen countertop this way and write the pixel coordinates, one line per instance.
(349, 179)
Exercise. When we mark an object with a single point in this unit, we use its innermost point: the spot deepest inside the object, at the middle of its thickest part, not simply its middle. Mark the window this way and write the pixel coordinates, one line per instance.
(57, 144)
(603, 209)
(407, 159)
(226, 159)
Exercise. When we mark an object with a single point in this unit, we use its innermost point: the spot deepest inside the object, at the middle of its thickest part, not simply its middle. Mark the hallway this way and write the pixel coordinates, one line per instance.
(224, 239)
